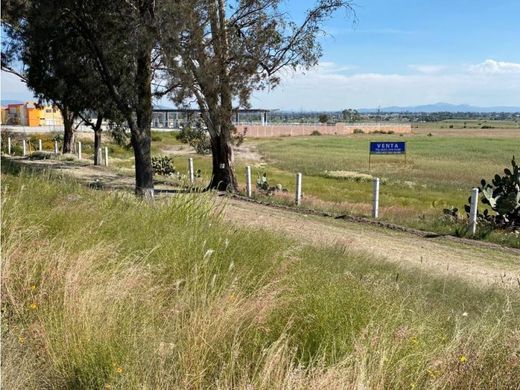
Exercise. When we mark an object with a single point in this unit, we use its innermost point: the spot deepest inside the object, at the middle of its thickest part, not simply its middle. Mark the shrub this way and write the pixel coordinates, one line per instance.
(195, 135)
(40, 155)
(163, 165)
(359, 131)
(315, 132)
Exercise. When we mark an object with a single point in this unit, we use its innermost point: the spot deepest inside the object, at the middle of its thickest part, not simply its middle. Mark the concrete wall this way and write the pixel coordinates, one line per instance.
(280, 130)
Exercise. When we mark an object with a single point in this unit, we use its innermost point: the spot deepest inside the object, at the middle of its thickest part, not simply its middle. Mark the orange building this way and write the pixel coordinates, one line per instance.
(31, 114)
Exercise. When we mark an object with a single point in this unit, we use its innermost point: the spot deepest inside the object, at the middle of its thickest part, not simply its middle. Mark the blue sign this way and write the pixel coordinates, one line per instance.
(387, 147)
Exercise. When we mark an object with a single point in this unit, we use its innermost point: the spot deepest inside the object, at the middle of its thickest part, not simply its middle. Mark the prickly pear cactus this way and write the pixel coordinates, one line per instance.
(163, 165)
(261, 182)
(502, 195)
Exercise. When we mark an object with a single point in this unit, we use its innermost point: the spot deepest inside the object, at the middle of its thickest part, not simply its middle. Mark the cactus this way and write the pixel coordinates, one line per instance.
(263, 185)
(163, 165)
(503, 197)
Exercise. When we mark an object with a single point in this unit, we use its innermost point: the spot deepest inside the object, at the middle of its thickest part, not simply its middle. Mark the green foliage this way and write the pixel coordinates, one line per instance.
(351, 115)
(323, 118)
(195, 135)
(163, 165)
(315, 132)
(119, 134)
(503, 196)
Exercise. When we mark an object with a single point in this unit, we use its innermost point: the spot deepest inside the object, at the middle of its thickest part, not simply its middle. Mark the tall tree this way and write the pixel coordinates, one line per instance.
(54, 64)
(351, 115)
(220, 51)
(117, 38)
(120, 36)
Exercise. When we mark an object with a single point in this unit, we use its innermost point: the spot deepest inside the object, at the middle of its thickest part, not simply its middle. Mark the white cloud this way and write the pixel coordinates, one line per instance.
(495, 67)
(331, 86)
(321, 89)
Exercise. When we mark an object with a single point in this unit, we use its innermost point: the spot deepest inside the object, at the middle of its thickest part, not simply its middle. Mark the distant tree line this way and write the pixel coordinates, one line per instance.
(351, 116)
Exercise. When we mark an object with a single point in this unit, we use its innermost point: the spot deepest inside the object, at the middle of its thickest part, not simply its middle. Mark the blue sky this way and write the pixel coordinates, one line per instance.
(401, 52)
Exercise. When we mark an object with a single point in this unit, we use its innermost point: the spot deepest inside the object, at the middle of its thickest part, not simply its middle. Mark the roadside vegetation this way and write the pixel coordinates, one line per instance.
(116, 293)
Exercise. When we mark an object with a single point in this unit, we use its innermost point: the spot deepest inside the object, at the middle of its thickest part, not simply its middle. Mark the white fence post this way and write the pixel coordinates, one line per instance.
(375, 198)
(9, 145)
(55, 147)
(473, 212)
(24, 148)
(191, 173)
(99, 156)
(79, 150)
(298, 189)
(106, 156)
(40, 148)
(248, 181)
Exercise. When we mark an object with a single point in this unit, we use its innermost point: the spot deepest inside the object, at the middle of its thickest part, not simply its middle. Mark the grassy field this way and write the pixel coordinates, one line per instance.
(101, 291)
(442, 166)
(439, 173)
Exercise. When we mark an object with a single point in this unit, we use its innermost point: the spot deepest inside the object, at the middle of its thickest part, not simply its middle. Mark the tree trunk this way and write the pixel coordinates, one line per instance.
(140, 129)
(97, 140)
(141, 143)
(223, 177)
(97, 147)
(68, 135)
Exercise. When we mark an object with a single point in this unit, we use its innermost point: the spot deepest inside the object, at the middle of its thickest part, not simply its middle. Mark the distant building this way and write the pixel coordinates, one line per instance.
(31, 114)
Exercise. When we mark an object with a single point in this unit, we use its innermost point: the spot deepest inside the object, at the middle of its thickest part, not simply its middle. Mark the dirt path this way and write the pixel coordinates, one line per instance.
(439, 256)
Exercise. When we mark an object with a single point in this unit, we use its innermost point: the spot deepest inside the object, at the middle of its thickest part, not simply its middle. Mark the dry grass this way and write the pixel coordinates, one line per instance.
(101, 291)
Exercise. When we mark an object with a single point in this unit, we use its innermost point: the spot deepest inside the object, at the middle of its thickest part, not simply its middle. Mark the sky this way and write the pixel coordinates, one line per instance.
(399, 52)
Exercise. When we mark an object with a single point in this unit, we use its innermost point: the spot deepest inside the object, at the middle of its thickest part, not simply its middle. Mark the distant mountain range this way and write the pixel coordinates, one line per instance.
(442, 107)
(427, 108)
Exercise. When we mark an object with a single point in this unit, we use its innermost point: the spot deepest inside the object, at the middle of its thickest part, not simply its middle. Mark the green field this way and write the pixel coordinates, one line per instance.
(102, 291)
(439, 173)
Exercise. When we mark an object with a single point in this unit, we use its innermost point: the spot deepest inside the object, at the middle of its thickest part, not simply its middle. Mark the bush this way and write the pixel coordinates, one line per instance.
(359, 131)
(40, 155)
(195, 135)
(315, 132)
(163, 165)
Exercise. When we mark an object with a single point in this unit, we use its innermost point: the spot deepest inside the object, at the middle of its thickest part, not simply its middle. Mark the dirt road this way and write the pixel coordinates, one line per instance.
(439, 255)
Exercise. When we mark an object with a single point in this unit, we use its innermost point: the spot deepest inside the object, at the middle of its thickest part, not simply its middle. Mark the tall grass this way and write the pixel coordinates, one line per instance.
(103, 291)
